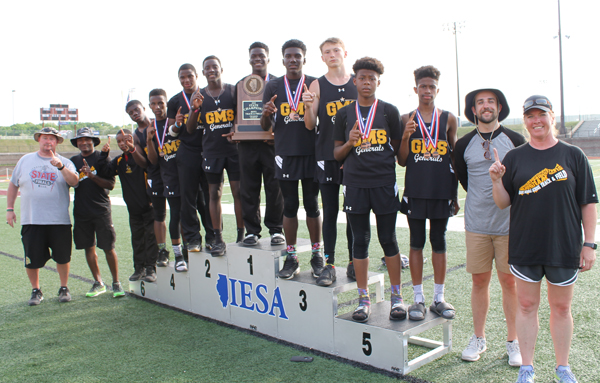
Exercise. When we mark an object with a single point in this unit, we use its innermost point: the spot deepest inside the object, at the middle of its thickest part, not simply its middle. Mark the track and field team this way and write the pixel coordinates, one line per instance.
(329, 133)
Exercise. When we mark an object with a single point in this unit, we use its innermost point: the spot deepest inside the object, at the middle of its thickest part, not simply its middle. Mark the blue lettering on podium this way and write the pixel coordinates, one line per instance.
(246, 289)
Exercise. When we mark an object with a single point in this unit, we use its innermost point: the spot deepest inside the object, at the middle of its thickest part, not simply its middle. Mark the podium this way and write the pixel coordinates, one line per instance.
(242, 288)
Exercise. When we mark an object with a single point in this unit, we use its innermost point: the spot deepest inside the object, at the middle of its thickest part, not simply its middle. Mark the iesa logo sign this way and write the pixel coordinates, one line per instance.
(242, 296)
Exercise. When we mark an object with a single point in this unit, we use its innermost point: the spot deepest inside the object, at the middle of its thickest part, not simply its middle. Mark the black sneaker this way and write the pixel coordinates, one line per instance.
(150, 274)
(194, 246)
(250, 240)
(210, 245)
(163, 258)
(317, 265)
(327, 276)
(218, 249)
(36, 297)
(290, 268)
(350, 273)
(138, 274)
(64, 295)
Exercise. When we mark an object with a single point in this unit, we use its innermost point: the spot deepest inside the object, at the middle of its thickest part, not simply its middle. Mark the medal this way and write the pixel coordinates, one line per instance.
(365, 127)
(294, 101)
(430, 136)
(161, 143)
(161, 153)
(435, 154)
(365, 145)
(427, 155)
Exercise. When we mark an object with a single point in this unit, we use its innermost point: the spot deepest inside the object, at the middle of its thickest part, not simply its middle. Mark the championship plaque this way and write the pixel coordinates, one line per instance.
(249, 110)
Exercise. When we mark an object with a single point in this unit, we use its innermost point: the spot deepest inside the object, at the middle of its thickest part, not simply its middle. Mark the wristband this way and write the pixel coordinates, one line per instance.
(62, 167)
(590, 244)
(133, 151)
(10, 209)
(177, 126)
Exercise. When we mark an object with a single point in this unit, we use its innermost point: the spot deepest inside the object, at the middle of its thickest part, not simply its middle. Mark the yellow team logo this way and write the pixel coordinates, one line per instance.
(417, 146)
(376, 137)
(82, 175)
(542, 179)
(218, 117)
(334, 106)
(285, 110)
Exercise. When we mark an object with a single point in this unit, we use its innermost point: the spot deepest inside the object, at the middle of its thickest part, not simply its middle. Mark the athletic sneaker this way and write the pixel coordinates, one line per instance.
(150, 274)
(327, 276)
(117, 290)
(36, 297)
(163, 258)
(564, 376)
(316, 264)
(64, 295)
(476, 346)
(277, 239)
(138, 274)
(180, 264)
(404, 261)
(97, 289)
(514, 353)
(290, 268)
(218, 249)
(194, 246)
(525, 376)
(350, 273)
(250, 240)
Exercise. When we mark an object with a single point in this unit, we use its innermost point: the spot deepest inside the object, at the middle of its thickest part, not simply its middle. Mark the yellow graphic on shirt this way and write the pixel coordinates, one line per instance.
(218, 117)
(417, 146)
(333, 106)
(375, 137)
(82, 175)
(543, 179)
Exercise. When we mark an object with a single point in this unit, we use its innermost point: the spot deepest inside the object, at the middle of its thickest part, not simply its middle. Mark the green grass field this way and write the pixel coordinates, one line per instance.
(102, 339)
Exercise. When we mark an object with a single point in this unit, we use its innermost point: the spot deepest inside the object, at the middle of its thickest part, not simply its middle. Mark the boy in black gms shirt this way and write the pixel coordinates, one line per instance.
(141, 218)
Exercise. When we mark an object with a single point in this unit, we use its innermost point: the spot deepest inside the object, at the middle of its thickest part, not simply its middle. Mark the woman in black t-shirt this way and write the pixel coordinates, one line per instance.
(550, 188)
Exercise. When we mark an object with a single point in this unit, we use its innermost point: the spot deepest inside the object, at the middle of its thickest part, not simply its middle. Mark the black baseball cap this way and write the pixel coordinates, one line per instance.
(470, 101)
(537, 102)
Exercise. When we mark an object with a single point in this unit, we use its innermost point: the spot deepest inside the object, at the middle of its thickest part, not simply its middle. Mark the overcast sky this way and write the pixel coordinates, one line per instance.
(89, 54)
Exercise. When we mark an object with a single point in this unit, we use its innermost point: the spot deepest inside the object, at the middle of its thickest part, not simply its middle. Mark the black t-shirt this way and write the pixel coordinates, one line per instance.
(217, 116)
(153, 171)
(291, 136)
(374, 166)
(547, 189)
(166, 160)
(191, 144)
(332, 98)
(430, 177)
(133, 183)
(90, 199)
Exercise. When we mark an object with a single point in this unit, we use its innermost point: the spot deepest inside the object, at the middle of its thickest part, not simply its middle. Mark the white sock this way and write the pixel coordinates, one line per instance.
(438, 292)
(418, 291)
(177, 250)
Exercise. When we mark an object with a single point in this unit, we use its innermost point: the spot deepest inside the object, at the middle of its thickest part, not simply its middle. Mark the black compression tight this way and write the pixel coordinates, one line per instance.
(174, 217)
(330, 198)
(437, 234)
(291, 201)
(361, 232)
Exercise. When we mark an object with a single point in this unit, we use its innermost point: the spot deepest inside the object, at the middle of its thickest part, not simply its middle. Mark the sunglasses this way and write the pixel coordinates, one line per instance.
(539, 101)
(486, 147)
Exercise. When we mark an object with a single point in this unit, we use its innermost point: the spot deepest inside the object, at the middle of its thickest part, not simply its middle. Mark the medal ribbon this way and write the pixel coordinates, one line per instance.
(434, 129)
(293, 101)
(161, 143)
(365, 127)
(187, 101)
(267, 78)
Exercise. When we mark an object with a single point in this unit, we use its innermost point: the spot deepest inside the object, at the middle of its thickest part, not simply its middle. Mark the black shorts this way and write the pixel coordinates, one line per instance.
(328, 172)
(85, 228)
(294, 168)
(155, 187)
(419, 208)
(382, 200)
(559, 276)
(38, 240)
(214, 167)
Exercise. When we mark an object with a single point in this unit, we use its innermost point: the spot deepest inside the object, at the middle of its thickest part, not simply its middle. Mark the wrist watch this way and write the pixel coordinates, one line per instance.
(590, 244)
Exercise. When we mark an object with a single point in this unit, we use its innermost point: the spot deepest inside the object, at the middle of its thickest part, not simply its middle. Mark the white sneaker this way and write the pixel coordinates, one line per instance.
(514, 353)
(476, 346)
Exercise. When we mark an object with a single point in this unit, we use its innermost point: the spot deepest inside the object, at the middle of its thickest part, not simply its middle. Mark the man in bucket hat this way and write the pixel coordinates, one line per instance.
(92, 213)
(486, 226)
(44, 178)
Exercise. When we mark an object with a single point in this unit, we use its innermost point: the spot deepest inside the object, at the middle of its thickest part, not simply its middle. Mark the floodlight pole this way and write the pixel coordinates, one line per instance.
(13, 100)
(455, 28)
(562, 129)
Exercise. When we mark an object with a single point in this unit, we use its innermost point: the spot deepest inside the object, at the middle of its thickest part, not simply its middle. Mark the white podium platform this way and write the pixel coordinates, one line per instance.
(242, 288)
